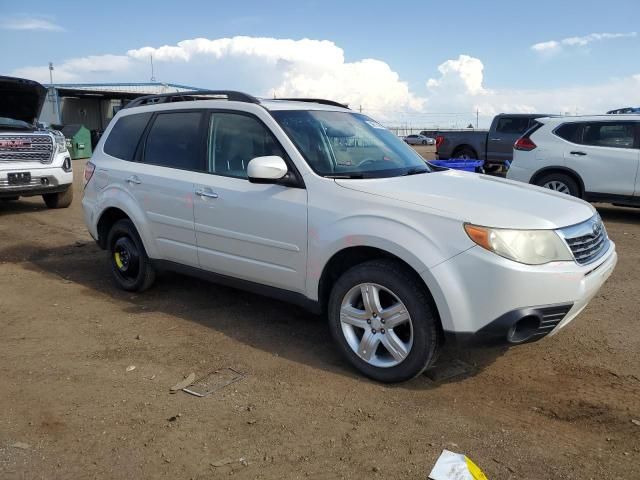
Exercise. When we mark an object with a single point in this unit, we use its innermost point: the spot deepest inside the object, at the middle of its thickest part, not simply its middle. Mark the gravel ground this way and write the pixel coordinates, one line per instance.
(72, 406)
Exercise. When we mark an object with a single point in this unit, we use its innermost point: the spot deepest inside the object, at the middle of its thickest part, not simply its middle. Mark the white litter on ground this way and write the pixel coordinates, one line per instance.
(455, 466)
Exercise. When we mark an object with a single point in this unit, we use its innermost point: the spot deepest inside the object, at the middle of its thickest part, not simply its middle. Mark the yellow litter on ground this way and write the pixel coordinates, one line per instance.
(455, 466)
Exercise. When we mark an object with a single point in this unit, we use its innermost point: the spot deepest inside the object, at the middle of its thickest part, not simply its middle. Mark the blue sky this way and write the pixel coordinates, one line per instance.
(412, 38)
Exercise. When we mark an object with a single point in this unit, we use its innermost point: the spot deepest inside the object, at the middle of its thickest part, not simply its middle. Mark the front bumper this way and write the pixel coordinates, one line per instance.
(44, 179)
(487, 299)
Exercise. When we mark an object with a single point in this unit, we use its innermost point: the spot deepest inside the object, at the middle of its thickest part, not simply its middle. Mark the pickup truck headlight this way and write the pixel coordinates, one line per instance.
(61, 143)
(531, 247)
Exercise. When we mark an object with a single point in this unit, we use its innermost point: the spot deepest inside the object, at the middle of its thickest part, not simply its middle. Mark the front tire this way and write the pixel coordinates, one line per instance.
(59, 200)
(559, 182)
(383, 321)
(132, 270)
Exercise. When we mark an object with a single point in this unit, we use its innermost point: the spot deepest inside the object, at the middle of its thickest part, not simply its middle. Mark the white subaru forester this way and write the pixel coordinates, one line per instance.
(310, 202)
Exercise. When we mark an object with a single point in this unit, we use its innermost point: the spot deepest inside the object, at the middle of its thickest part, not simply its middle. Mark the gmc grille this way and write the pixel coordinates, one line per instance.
(26, 148)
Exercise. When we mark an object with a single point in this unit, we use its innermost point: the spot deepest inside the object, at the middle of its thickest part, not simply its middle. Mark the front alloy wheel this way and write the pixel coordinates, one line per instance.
(383, 320)
(376, 325)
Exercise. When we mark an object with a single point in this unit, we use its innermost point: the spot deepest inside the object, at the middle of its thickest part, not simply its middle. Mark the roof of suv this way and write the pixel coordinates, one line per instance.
(211, 98)
(592, 118)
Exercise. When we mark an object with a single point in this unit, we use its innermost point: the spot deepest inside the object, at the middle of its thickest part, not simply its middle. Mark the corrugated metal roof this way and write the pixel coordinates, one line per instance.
(141, 88)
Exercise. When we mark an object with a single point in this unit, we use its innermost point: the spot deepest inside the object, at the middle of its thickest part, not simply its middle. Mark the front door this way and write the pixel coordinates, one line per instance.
(500, 141)
(250, 231)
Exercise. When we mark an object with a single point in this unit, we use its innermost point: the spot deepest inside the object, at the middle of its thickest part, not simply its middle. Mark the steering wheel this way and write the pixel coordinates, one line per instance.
(366, 161)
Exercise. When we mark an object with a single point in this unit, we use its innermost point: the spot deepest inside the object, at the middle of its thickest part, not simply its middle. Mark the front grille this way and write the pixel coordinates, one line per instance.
(26, 148)
(587, 240)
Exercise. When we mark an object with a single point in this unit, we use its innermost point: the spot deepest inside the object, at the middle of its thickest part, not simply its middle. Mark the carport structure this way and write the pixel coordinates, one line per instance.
(95, 104)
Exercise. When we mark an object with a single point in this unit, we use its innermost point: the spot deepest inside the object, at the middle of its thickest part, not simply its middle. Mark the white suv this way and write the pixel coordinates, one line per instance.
(595, 158)
(33, 161)
(313, 203)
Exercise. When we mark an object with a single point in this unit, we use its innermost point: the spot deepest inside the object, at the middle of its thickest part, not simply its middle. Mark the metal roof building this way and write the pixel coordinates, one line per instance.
(95, 104)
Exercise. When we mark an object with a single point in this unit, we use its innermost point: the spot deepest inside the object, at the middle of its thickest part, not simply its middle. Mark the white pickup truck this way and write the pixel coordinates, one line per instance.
(33, 161)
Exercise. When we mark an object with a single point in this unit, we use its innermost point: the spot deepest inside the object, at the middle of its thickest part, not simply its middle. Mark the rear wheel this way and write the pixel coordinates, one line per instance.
(59, 200)
(559, 182)
(383, 321)
(132, 270)
(465, 153)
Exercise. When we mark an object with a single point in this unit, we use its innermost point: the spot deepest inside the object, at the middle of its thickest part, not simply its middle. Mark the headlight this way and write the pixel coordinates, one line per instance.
(532, 247)
(61, 143)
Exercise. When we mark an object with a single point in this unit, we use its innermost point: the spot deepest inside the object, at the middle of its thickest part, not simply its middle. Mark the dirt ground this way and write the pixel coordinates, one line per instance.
(71, 406)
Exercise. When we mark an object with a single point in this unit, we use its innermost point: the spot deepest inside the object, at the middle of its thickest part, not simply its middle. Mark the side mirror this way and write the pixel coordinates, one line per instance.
(269, 169)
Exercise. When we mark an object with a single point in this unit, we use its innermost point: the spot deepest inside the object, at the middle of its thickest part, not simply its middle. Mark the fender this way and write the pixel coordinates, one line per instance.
(562, 169)
(114, 196)
(418, 250)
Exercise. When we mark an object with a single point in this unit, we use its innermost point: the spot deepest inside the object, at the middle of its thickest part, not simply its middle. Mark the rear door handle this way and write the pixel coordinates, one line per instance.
(133, 180)
(495, 139)
(206, 194)
(579, 154)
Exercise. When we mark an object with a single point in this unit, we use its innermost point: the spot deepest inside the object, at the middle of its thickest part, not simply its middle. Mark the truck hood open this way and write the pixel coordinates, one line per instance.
(480, 199)
(21, 99)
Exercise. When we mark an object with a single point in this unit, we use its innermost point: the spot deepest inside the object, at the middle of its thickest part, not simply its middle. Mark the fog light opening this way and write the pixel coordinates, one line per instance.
(524, 329)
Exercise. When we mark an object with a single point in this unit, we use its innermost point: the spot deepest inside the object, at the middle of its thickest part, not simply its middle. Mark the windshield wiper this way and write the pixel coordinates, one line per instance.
(346, 175)
(416, 171)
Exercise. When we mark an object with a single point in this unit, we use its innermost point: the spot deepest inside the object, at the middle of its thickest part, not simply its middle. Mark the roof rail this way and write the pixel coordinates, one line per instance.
(315, 100)
(230, 95)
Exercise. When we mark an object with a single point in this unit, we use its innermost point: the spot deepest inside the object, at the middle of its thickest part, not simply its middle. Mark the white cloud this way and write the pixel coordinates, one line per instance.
(317, 68)
(552, 46)
(30, 23)
(460, 88)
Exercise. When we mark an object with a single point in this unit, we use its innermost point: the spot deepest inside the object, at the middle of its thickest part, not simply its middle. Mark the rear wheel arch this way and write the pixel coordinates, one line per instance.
(559, 170)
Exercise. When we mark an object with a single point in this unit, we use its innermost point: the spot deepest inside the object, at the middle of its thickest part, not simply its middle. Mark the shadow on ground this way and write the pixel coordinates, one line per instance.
(251, 319)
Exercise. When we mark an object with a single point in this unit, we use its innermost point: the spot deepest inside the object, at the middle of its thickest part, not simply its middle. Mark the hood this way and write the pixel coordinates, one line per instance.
(480, 199)
(21, 99)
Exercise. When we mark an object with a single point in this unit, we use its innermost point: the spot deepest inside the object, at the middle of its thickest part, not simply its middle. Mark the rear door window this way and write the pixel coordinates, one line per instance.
(609, 134)
(175, 140)
(125, 136)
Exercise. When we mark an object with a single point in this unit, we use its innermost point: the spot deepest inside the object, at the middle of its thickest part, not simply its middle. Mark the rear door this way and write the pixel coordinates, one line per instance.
(255, 232)
(172, 154)
(501, 139)
(605, 154)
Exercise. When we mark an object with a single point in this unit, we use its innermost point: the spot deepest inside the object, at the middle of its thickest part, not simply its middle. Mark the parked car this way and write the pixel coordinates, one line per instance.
(494, 146)
(624, 111)
(312, 203)
(33, 160)
(596, 158)
(419, 140)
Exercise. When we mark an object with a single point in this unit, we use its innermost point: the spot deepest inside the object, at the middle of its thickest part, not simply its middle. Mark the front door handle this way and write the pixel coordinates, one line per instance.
(206, 194)
(579, 154)
(133, 180)
(495, 139)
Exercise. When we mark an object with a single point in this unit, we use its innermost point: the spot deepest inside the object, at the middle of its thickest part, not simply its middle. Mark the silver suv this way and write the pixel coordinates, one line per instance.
(310, 202)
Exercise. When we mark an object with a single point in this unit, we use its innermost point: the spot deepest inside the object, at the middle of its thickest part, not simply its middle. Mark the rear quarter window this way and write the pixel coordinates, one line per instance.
(125, 136)
(569, 132)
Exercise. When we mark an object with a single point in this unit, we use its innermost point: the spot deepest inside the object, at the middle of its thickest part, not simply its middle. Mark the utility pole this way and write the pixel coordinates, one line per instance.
(477, 115)
(54, 95)
(153, 77)
(360, 108)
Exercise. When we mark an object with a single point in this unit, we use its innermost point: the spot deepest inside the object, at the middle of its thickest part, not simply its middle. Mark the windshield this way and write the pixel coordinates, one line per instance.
(12, 123)
(348, 145)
